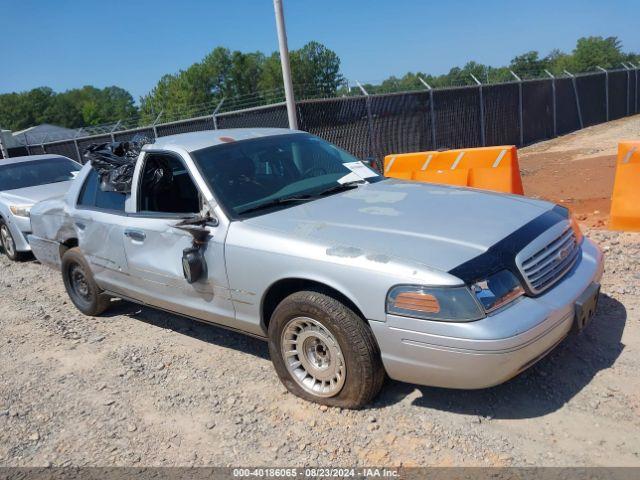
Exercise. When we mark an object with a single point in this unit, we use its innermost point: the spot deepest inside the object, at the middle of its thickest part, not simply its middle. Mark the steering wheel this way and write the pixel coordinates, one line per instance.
(321, 170)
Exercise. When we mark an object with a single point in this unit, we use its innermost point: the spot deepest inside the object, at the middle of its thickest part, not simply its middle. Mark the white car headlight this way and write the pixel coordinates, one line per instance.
(497, 290)
(449, 304)
(21, 210)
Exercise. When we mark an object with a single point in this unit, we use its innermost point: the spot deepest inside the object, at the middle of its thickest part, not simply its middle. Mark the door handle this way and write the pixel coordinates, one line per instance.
(135, 235)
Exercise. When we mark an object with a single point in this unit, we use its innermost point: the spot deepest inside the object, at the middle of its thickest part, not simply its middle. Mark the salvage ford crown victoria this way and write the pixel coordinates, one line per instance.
(348, 275)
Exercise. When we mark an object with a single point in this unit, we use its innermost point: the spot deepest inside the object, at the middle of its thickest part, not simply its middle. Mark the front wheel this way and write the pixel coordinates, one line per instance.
(80, 285)
(9, 244)
(324, 352)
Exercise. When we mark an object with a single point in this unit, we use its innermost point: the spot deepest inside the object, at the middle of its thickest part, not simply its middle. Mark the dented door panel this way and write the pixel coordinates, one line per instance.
(154, 255)
(100, 239)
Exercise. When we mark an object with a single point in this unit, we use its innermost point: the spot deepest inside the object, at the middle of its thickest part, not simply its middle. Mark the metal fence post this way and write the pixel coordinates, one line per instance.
(369, 116)
(628, 87)
(432, 112)
(155, 122)
(482, 125)
(42, 143)
(553, 102)
(113, 137)
(635, 103)
(4, 150)
(75, 142)
(26, 143)
(606, 89)
(520, 108)
(215, 112)
(575, 91)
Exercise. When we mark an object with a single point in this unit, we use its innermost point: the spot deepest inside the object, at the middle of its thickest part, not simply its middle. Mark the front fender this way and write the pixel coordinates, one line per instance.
(257, 258)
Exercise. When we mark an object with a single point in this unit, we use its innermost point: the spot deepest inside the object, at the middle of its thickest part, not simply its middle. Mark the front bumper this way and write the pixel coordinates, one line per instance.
(20, 227)
(490, 351)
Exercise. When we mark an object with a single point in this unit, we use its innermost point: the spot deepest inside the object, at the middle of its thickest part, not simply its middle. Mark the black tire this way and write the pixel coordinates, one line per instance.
(9, 244)
(364, 374)
(80, 285)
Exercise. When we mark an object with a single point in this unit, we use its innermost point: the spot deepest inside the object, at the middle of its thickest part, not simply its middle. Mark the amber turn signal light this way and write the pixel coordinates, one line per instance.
(416, 301)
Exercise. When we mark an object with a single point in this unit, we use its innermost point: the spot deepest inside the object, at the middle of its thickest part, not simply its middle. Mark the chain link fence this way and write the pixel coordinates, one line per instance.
(372, 126)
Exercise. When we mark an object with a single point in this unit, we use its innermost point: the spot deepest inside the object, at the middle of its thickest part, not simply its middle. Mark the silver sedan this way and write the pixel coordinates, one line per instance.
(346, 274)
(25, 181)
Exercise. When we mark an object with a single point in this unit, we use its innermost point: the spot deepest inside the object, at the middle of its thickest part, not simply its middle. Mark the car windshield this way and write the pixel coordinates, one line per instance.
(257, 175)
(37, 172)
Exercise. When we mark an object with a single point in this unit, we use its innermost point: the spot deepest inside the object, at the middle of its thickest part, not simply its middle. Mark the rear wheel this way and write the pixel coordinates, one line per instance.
(9, 244)
(80, 285)
(324, 352)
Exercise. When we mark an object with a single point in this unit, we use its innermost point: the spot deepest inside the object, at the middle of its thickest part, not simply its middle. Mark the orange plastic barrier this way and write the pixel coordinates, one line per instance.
(625, 200)
(488, 168)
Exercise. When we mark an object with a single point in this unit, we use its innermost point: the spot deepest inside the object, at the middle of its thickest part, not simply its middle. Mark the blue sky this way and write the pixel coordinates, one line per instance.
(69, 43)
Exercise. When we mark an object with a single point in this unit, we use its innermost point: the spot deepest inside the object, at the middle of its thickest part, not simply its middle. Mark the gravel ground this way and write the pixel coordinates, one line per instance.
(141, 387)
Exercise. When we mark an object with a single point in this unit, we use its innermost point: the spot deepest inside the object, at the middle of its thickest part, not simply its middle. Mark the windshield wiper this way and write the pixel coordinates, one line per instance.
(341, 187)
(300, 198)
(275, 202)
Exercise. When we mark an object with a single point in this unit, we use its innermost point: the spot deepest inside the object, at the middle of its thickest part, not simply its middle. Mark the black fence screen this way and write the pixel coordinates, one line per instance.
(593, 100)
(567, 118)
(457, 117)
(617, 95)
(401, 123)
(516, 113)
(502, 124)
(271, 116)
(537, 110)
(343, 121)
(17, 151)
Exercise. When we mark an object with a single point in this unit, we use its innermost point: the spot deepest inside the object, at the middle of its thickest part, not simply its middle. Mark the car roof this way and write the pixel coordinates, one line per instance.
(208, 138)
(29, 158)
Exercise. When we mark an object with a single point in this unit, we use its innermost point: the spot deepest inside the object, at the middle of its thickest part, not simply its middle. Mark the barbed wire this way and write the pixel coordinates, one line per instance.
(348, 88)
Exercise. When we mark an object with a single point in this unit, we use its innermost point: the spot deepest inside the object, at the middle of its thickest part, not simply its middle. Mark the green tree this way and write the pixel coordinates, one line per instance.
(315, 71)
(73, 108)
(243, 79)
(597, 51)
(529, 65)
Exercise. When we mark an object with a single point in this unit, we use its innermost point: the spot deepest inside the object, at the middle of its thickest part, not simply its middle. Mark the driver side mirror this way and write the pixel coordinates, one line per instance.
(193, 264)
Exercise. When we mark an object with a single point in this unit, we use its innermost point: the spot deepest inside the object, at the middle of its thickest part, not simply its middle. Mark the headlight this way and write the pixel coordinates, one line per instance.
(21, 210)
(497, 290)
(450, 304)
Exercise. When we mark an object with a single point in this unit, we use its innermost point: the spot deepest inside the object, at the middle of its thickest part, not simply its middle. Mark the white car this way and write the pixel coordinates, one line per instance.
(25, 181)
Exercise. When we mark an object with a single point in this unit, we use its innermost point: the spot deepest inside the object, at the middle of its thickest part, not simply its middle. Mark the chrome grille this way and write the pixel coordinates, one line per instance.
(550, 261)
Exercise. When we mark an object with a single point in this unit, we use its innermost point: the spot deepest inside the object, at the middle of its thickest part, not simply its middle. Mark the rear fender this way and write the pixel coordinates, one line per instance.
(47, 252)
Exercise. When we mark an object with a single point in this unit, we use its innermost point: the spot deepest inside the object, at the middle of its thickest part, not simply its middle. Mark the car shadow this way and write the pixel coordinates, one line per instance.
(538, 391)
(543, 388)
(202, 331)
(26, 256)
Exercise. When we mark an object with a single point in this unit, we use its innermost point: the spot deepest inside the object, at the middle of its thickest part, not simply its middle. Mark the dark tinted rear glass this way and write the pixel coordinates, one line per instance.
(36, 172)
(93, 197)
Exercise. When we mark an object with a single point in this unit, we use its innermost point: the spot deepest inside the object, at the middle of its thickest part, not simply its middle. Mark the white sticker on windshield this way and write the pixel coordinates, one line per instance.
(359, 171)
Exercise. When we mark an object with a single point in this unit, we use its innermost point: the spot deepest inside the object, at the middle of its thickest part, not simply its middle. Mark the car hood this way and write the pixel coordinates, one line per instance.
(435, 225)
(31, 195)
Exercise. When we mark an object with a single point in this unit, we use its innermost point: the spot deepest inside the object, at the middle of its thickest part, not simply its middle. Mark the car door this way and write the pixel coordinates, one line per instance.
(154, 246)
(98, 220)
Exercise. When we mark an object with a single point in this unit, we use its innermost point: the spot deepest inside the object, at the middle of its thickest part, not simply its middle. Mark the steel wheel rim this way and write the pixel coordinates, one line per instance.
(79, 283)
(313, 357)
(7, 241)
